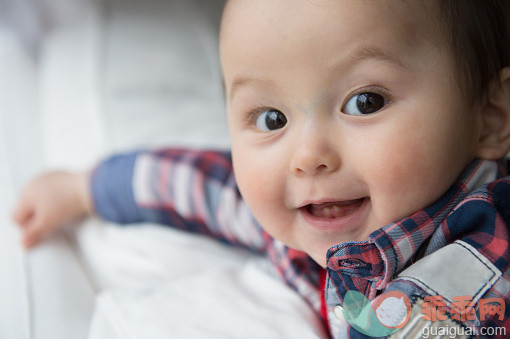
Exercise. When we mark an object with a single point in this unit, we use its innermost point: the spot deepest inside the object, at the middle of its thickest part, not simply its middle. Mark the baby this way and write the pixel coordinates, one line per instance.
(367, 139)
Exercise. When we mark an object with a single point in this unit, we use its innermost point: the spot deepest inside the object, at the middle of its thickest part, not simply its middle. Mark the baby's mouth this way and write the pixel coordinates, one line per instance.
(334, 210)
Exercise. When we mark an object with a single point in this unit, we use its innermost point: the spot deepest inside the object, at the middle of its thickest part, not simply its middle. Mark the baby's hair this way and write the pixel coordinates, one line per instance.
(478, 33)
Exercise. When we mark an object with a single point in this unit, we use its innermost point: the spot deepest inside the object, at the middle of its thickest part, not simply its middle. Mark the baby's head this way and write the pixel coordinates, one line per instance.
(349, 115)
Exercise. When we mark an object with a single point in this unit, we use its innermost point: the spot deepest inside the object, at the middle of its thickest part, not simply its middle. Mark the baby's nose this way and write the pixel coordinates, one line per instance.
(315, 154)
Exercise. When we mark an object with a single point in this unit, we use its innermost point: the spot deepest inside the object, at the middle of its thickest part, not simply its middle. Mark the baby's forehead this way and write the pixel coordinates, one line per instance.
(255, 13)
(414, 20)
(303, 31)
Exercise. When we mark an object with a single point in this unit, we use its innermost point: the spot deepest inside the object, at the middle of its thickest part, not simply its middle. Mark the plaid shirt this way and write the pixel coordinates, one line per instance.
(196, 191)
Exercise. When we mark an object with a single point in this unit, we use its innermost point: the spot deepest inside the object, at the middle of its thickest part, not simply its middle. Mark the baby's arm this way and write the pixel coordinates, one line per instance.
(190, 190)
(49, 201)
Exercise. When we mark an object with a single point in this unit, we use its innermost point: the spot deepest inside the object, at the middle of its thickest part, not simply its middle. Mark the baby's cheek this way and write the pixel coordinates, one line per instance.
(262, 184)
(398, 177)
(255, 181)
(247, 180)
(396, 164)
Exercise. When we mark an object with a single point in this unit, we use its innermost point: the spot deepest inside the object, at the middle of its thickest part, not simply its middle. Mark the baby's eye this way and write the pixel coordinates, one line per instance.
(270, 120)
(364, 103)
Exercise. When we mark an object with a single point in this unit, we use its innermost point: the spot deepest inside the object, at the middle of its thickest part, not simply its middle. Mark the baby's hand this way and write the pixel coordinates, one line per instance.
(49, 201)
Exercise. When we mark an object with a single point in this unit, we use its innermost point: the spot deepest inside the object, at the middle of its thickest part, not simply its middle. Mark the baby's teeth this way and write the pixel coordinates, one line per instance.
(327, 212)
(330, 211)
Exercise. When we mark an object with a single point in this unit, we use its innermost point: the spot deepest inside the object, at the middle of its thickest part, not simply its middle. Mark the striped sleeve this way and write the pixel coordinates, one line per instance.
(187, 189)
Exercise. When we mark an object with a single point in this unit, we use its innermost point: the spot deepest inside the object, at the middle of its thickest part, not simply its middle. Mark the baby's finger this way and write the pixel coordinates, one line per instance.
(31, 238)
(34, 232)
(22, 212)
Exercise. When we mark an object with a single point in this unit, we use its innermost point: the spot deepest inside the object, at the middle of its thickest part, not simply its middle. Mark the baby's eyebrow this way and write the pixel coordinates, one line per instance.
(371, 52)
(243, 81)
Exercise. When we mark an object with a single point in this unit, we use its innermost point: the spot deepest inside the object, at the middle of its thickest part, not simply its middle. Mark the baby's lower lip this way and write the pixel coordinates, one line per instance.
(334, 215)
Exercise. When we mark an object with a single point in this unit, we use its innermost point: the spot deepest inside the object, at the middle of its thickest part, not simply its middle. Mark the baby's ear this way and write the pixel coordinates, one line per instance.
(494, 142)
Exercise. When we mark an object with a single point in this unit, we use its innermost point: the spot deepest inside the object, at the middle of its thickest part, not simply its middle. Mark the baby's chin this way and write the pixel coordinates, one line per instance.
(318, 252)
(319, 255)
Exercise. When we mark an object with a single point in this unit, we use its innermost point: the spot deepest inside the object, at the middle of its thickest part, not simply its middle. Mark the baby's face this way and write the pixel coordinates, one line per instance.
(344, 115)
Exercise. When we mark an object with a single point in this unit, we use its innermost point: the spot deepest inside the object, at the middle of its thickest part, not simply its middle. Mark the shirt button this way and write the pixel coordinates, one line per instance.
(339, 313)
